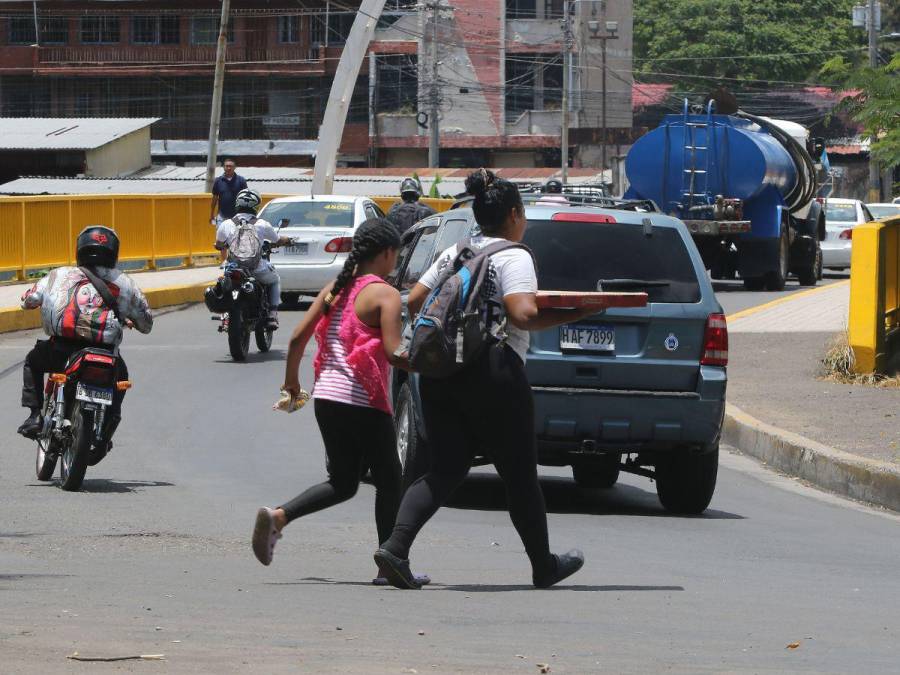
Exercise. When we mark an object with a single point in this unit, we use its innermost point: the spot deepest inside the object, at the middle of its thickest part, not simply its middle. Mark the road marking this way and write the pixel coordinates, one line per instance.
(780, 301)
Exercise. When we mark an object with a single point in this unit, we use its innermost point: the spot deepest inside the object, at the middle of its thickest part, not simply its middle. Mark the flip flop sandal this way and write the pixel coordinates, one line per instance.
(265, 535)
(396, 571)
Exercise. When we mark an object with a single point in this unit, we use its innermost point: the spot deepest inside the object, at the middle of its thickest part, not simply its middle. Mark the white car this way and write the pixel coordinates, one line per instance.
(322, 229)
(841, 216)
(884, 210)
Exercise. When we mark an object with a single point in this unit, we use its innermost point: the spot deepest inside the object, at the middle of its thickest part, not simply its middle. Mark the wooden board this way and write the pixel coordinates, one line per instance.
(577, 299)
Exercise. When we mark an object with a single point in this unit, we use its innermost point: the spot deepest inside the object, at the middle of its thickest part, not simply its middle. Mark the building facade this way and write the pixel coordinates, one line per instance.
(496, 82)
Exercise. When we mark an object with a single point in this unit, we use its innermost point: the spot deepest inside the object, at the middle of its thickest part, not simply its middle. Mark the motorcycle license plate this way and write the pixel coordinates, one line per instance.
(587, 338)
(93, 394)
(297, 249)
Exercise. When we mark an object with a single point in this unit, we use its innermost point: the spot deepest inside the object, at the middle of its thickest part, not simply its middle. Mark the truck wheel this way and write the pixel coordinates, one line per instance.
(754, 283)
(775, 280)
(414, 453)
(810, 275)
(685, 482)
(602, 473)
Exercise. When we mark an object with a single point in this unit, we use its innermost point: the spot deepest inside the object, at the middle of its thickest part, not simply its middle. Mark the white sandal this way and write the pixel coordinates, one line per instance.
(265, 535)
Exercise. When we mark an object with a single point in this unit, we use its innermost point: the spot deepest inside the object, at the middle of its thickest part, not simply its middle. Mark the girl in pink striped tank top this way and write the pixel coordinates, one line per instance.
(356, 323)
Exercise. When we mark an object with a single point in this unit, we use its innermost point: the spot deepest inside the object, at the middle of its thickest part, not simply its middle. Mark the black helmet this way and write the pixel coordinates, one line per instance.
(553, 187)
(410, 189)
(97, 246)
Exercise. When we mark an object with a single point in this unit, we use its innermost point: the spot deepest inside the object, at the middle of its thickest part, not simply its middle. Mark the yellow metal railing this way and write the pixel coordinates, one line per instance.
(38, 232)
(874, 323)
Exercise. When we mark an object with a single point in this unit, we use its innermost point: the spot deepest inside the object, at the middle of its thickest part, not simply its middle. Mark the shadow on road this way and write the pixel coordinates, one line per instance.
(483, 588)
(256, 357)
(109, 486)
(486, 493)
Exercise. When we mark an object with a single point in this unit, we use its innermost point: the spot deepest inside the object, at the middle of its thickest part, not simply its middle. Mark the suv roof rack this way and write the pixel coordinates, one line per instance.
(584, 194)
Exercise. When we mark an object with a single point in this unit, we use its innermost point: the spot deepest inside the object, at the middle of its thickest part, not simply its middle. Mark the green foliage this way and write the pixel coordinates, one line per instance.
(877, 105)
(706, 39)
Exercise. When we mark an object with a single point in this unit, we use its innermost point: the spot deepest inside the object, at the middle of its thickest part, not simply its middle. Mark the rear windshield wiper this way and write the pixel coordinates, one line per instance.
(630, 283)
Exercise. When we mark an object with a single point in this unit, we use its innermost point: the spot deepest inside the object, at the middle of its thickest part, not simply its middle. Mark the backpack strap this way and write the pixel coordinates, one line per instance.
(108, 298)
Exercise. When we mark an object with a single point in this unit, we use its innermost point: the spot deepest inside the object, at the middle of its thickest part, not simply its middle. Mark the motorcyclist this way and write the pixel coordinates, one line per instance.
(410, 211)
(75, 316)
(246, 205)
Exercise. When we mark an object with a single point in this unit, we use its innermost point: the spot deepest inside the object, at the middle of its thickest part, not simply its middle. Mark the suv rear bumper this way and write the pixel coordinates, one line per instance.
(575, 423)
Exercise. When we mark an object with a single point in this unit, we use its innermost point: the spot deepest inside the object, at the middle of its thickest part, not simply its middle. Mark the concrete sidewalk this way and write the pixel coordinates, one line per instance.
(775, 352)
(162, 288)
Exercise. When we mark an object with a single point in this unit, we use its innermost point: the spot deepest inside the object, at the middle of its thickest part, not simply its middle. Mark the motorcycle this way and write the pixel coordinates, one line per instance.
(240, 304)
(76, 427)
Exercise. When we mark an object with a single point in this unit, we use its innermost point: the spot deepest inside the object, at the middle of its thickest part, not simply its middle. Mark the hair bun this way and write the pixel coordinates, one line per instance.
(479, 181)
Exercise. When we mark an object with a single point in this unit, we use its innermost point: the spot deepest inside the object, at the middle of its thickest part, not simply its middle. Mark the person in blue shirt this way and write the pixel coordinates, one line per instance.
(224, 191)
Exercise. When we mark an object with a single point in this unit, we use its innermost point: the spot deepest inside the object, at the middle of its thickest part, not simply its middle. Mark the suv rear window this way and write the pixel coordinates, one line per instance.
(579, 256)
(310, 214)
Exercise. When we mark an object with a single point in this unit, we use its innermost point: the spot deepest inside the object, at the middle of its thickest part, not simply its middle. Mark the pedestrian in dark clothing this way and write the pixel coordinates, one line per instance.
(487, 405)
(224, 191)
(410, 211)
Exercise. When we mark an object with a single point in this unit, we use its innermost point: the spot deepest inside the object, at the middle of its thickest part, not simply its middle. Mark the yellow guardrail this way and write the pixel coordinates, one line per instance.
(39, 232)
(874, 323)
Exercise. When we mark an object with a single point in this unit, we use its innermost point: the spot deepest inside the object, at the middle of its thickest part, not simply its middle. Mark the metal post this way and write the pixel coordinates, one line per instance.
(564, 131)
(373, 118)
(603, 106)
(215, 115)
(433, 123)
(37, 27)
(874, 187)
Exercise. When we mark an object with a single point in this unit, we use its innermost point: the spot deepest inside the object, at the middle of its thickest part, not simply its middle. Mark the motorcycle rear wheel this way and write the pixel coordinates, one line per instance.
(75, 454)
(238, 335)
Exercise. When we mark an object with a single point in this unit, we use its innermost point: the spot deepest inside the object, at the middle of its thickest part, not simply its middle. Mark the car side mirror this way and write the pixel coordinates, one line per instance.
(284, 222)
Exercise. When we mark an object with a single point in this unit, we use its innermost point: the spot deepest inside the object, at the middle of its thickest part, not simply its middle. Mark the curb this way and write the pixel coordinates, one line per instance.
(14, 318)
(834, 470)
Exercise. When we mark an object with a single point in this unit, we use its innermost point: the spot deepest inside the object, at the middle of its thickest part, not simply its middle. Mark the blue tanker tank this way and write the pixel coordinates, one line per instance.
(734, 181)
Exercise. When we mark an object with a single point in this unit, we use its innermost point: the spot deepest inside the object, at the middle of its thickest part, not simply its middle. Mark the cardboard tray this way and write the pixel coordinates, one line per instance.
(600, 300)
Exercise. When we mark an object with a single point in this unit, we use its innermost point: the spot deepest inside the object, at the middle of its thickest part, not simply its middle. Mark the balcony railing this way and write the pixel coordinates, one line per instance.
(197, 55)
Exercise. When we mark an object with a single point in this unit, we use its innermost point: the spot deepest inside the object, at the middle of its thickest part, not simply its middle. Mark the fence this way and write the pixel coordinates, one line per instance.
(39, 232)
(875, 295)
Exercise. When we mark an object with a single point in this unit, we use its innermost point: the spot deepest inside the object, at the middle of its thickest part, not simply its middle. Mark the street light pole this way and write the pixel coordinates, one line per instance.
(567, 55)
(215, 114)
(874, 187)
(610, 30)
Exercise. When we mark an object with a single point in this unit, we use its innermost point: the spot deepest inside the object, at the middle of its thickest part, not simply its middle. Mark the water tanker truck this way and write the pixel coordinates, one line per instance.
(745, 186)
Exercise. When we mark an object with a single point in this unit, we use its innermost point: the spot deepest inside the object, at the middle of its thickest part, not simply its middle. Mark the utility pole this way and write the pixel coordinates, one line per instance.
(434, 144)
(567, 55)
(215, 115)
(37, 27)
(874, 187)
(610, 32)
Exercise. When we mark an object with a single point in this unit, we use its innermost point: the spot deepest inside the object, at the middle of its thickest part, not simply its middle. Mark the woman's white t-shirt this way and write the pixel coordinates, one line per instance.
(510, 271)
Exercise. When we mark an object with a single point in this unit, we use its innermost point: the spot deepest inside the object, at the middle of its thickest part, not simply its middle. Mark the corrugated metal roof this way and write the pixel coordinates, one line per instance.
(238, 148)
(66, 133)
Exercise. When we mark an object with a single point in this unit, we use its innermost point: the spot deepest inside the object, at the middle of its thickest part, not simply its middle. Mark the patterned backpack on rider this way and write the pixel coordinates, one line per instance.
(85, 316)
(246, 247)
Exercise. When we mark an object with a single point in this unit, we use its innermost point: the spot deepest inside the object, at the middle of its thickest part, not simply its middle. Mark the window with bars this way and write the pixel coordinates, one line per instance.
(289, 29)
(99, 29)
(533, 82)
(521, 9)
(205, 30)
(155, 30)
(554, 9)
(398, 83)
(317, 30)
(54, 30)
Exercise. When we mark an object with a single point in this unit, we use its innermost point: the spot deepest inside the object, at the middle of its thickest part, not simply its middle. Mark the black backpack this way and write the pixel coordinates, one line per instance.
(456, 321)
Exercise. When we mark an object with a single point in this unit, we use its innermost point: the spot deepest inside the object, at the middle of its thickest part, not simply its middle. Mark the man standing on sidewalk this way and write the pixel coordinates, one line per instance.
(224, 191)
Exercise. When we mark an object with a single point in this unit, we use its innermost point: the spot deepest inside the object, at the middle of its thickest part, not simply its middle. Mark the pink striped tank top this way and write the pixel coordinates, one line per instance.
(351, 366)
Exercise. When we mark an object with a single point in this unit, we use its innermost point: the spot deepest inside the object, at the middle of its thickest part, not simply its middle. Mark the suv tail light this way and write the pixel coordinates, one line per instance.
(715, 341)
(340, 245)
(846, 234)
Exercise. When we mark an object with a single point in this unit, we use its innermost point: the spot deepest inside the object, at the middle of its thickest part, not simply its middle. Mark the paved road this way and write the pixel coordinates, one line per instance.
(154, 558)
(734, 298)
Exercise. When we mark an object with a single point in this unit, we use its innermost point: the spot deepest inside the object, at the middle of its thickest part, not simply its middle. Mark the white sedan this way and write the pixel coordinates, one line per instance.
(841, 216)
(884, 210)
(322, 229)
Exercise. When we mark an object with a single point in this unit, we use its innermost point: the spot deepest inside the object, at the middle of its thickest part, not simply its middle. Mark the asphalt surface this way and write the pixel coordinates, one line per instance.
(154, 558)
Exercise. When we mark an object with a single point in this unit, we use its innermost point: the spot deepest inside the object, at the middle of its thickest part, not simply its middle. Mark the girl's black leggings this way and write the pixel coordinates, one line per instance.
(354, 434)
(487, 408)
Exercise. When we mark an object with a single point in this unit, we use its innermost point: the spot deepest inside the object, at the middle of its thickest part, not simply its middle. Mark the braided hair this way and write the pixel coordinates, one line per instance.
(494, 198)
(374, 236)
